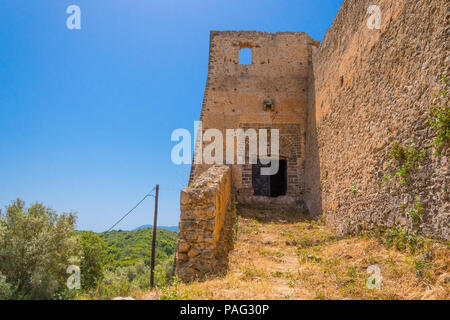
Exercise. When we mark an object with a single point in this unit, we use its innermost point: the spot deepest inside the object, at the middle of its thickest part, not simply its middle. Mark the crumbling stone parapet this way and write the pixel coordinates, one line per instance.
(205, 212)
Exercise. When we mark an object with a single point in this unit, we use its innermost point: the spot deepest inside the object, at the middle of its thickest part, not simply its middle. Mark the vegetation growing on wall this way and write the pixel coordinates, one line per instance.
(440, 120)
(416, 211)
(404, 159)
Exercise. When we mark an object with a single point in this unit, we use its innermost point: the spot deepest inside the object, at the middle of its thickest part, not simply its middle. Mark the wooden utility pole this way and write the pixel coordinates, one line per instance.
(152, 266)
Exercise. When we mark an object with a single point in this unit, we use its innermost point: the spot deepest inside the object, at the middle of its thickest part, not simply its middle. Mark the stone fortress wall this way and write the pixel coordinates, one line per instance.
(373, 88)
(340, 108)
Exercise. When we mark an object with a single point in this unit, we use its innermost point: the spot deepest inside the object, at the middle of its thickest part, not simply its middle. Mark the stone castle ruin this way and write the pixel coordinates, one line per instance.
(270, 93)
(338, 107)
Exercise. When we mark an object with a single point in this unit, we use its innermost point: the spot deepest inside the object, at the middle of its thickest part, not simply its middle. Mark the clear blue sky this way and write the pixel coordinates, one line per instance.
(86, 115)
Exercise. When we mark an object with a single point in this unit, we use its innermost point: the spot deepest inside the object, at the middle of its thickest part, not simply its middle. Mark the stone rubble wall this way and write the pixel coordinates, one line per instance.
(371, 88)
(206, 224)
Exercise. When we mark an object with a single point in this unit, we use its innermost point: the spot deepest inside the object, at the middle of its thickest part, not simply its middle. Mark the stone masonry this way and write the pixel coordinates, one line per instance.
(206, 223)
(372, 88)
(235, 97)
(339, 108)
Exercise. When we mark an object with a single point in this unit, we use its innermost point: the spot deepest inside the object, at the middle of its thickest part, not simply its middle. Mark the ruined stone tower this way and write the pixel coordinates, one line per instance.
(269, 93)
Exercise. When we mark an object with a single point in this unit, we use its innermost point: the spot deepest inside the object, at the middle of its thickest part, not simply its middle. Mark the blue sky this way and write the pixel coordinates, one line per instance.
(86, 115)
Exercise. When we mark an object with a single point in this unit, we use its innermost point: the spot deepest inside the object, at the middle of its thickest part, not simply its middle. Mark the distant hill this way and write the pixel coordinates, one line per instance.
(147, 226)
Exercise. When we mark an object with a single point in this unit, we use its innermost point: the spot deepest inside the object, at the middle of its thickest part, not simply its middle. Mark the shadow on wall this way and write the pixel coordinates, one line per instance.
(313, 189)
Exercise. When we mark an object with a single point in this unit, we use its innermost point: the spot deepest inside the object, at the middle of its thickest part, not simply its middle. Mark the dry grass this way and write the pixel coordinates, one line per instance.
(281, 258)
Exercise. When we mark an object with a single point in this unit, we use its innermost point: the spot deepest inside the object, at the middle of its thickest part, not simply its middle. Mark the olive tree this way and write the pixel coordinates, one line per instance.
(36, 247)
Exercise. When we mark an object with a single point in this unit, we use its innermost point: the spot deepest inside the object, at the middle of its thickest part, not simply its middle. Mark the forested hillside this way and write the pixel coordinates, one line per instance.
(127, 262)
(126, 248)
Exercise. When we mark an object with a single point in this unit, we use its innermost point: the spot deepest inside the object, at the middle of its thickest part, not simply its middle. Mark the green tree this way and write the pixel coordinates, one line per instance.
(164, 272)
(5, 288)
(93, 260)
(36, 247)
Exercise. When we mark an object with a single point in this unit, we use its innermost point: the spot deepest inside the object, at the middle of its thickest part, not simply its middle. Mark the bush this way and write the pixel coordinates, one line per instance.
(5, 288)
(93, 260)
(122, 281)
(403, 240)
(171, 292)
(36, 247)
(126, 280)
(164, 273)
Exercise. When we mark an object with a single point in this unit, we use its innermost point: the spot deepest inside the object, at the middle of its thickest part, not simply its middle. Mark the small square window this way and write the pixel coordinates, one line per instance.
(245, 56)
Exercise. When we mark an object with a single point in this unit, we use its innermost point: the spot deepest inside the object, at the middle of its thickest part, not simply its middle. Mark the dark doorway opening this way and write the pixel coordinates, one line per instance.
(278, 181)
(269, 186)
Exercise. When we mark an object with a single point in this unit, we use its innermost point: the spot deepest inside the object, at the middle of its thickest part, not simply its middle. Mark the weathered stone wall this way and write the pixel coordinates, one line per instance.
(206, 224)
(339, 109)
(371, 88)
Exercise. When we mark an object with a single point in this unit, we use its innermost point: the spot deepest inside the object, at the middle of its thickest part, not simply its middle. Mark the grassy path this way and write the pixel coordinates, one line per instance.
(279, 257)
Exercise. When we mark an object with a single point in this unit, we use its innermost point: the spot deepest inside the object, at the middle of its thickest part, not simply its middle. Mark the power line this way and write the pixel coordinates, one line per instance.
(137, 205)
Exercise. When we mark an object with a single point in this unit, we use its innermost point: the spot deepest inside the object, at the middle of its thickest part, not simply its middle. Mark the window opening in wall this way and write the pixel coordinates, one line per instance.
(245, 56)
